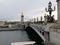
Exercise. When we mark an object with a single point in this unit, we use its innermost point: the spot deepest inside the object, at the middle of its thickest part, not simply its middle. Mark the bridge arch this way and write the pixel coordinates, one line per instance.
(35, 35)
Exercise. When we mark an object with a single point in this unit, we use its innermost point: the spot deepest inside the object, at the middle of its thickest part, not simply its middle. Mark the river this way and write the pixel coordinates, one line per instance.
(7, 37)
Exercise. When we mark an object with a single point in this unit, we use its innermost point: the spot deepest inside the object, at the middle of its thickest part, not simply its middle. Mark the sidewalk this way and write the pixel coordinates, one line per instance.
(49, 43)
(55, 38)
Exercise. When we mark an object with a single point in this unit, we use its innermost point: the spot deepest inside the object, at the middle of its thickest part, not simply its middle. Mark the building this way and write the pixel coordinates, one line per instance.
(2, 22)
(22, 18)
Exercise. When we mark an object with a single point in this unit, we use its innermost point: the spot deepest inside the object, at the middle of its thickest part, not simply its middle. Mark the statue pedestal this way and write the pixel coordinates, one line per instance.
(50, 19)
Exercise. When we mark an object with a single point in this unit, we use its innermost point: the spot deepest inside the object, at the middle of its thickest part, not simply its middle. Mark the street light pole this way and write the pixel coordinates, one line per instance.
(50, 8)
(50, 18)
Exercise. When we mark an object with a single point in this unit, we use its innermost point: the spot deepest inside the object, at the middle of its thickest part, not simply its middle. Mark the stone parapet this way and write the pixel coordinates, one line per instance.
(55, 30)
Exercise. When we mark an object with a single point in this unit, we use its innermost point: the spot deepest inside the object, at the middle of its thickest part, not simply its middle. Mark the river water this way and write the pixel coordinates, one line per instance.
(7, 37)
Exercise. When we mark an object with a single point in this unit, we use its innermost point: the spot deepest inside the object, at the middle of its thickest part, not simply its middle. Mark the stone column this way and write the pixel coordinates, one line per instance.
(58, 14)
(58, 11)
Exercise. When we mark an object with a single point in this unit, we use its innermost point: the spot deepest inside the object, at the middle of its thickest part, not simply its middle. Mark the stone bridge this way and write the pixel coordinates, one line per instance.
(37, 33)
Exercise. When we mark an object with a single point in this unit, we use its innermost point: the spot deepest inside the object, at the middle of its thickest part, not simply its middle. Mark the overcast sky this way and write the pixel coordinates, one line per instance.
(11, 9)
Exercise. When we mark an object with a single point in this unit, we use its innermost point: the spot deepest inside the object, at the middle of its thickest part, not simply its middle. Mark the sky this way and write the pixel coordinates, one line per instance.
(10, 10)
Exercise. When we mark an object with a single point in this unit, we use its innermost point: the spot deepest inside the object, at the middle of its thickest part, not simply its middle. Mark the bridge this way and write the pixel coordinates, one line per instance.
(36, 33)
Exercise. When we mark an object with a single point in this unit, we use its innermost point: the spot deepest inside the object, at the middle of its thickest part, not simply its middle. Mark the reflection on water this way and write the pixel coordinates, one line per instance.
(7, 37)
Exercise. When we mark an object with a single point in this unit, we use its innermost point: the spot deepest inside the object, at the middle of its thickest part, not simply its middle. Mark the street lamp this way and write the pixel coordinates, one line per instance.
(50, 8)
(50, 4)
(50, 18)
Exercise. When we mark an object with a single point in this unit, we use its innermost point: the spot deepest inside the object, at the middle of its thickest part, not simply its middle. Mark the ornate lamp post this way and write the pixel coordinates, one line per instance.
(49, 17)
(37, 19)
(50, 8)
(34, 20)
(41, 18)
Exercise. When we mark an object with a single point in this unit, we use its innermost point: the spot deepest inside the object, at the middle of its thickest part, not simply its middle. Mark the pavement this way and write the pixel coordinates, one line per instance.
(55, 37)
(49, 43)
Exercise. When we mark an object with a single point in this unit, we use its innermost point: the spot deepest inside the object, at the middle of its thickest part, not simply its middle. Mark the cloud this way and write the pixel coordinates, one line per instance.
(11, 9)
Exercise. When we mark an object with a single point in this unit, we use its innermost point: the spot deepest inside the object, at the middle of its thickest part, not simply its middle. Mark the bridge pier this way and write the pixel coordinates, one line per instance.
(47, 36)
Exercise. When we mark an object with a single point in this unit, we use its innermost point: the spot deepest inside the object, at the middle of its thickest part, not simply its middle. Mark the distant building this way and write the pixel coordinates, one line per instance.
(22, 18)
(2, 22)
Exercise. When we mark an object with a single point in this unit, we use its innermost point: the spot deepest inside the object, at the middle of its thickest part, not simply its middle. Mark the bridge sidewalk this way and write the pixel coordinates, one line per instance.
(49, 43)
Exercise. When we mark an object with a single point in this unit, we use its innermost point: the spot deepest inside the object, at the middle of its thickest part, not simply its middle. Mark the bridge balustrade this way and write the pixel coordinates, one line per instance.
(41, 29)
